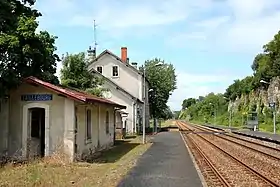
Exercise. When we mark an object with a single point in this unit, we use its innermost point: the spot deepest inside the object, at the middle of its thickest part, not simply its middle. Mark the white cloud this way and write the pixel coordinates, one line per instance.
(130, 17)
(251, 9)
(243, 26)
(112, 14)
(119, 15)
(251, 35)
(213, 23)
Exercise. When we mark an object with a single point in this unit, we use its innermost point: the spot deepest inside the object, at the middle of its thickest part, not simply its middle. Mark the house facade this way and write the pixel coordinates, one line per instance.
(123, 78)
(39, 119)
(133, 105)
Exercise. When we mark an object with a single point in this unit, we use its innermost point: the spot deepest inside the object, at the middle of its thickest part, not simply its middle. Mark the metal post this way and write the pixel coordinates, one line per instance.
(229, 124)
(274, 115)
(215, 113)
(144, 108)
(274, 121)
(157, 121)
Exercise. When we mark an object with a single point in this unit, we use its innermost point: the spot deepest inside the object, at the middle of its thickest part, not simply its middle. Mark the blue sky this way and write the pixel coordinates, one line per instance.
(210, 42)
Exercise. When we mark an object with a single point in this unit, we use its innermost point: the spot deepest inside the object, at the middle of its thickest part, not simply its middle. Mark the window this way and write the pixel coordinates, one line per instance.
(115, 71)
(88, 127)
(107, 122)
(99, 69)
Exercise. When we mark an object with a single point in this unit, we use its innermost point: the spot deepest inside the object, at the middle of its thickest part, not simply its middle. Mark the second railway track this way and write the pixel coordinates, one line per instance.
(219, 166)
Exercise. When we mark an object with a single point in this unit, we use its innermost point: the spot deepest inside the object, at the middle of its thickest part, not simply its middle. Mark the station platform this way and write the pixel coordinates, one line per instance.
(166, 164)
(275, 138)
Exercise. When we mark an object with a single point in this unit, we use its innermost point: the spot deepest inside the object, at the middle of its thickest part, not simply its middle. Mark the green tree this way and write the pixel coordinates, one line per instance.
(23, 52)
(74, 74)
(163, 82)
(176, 114)
(188, 102)
(205, 110)
(167, 113)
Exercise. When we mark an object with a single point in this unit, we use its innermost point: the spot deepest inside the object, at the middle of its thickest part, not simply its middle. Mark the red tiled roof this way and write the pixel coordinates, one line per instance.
(73, 94)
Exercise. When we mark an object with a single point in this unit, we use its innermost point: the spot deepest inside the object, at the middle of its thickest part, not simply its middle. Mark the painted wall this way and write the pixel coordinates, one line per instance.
(56, 117)
(61, 123)
(99, 138)
(128, 79)
(119, 97)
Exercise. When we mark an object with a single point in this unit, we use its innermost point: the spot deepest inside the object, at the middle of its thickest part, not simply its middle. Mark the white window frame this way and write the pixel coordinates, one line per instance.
(107, 123)
(88, 126)
(113, 70)
(101, 69)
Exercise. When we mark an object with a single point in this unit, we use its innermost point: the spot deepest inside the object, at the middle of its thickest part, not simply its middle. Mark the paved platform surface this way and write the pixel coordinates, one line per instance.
(220, 127)
(263, 135)
(166, 164)
(257, 134)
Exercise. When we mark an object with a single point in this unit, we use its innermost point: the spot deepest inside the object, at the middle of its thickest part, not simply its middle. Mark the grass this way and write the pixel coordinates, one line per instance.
(106, 170)
(168, 123)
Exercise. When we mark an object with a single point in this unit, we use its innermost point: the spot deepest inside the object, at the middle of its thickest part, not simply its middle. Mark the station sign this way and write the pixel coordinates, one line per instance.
(36, 97)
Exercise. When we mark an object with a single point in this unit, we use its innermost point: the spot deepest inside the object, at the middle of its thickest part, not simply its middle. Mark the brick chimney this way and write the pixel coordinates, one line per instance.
(124, 54)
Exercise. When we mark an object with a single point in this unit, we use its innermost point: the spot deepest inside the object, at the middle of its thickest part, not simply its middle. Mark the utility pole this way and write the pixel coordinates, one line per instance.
(144, 105)
(274, 121)
(215, 116)
(230, 116)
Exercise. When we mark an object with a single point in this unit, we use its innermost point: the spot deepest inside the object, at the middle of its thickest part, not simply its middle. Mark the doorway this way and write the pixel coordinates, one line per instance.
(37, 132)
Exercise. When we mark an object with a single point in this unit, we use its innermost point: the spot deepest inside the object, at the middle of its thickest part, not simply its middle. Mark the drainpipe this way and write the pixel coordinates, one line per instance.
(114, 133)
(134, 116)
(98, 127)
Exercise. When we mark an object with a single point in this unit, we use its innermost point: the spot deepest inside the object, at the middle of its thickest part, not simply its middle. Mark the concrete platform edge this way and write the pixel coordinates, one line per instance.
(194, 163)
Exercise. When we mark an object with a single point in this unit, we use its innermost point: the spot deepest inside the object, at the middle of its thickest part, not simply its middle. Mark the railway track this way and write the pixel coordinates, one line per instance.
(254, 146)
(219, 167)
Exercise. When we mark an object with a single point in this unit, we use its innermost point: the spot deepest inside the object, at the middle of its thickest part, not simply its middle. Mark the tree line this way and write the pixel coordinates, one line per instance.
(25, 51)
(215, 107)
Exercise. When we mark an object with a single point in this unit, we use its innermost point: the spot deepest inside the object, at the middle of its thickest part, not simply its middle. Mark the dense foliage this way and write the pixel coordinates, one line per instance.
(23, 51)
(162, 80)
(265, 66)
(74, 74)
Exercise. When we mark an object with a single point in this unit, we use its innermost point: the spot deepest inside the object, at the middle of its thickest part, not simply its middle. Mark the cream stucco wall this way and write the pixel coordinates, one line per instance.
(60, 116)
(124, 99)
(56, 118)
(128, 78)
(100, 139)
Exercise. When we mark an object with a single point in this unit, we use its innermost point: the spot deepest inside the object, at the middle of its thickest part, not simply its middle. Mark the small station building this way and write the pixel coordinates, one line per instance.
(39, 119)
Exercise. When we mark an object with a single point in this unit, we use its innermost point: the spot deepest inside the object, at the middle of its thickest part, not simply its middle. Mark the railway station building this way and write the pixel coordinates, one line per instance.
(39, 119)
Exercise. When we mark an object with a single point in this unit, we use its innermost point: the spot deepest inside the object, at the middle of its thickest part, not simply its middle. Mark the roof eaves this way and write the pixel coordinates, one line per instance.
(71, 94)
(89, 100)
(58, 89)
(117, 86)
